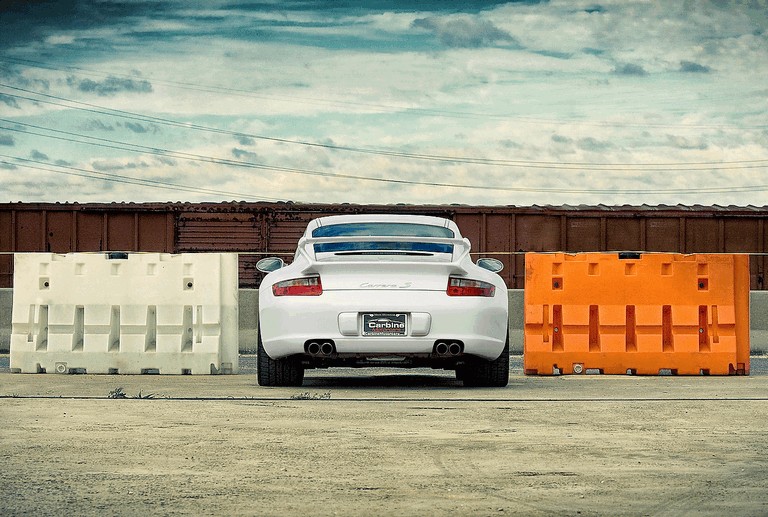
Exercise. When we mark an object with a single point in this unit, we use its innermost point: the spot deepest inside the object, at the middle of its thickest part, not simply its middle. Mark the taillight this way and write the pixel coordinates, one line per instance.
(466, 287)
(309, 286)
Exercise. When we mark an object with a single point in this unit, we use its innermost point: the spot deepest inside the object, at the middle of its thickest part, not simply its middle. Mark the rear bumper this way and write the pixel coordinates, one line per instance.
(479, 323)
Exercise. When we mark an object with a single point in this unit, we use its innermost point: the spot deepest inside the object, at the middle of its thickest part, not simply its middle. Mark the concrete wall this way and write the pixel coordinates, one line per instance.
(249, 304)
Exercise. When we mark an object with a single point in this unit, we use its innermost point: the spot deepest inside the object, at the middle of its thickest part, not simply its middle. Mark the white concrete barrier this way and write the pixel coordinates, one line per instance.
(127, 313)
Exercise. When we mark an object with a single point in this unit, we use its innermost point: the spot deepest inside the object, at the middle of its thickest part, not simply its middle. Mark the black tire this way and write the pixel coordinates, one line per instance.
(277, 372)
(478, 372)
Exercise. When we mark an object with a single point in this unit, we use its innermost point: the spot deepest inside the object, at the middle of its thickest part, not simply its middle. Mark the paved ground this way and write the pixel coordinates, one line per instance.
(383, 442)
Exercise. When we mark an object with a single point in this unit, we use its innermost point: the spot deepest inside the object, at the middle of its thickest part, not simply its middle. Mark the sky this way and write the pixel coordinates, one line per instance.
(436, 102)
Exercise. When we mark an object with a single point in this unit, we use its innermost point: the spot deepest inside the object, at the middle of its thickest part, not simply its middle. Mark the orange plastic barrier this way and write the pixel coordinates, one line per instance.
(636, 313)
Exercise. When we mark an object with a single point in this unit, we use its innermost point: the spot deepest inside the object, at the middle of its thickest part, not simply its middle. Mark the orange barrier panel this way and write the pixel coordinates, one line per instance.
(636, 313)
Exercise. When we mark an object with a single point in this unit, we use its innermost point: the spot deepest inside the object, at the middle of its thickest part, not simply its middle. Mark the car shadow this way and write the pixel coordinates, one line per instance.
(382, 381)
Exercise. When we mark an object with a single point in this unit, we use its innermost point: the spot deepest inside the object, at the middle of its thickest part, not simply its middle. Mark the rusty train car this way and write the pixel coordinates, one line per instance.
(258, 229)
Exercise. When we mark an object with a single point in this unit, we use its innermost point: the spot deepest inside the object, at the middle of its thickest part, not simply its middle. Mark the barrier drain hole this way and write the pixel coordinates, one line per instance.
(112, 371)
(186, 371)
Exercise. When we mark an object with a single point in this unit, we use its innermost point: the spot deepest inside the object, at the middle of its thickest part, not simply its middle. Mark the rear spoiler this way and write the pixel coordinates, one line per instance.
(461, 248)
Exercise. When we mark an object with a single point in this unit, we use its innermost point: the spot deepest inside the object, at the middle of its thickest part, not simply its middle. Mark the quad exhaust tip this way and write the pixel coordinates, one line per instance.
(320, 348)
(448, 348)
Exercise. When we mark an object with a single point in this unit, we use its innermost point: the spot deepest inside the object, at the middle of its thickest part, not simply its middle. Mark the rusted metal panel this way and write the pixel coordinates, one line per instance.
(29, 232)
(583, 234)
(471, 226)
(284, 229)
(624, 234)
(219, 232)
(742, 235)
(538, 232)
(154, 234)
(663, 234)
(224, 232)
(58, 231)
(120, 231)
(702, 236)
(89, 231)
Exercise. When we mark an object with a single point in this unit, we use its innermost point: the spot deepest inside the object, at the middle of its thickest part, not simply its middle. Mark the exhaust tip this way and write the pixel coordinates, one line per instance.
(448, 348)
(320, 348)
(327, 348)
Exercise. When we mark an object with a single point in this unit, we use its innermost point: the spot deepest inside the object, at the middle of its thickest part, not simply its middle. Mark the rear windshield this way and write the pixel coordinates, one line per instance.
(383, 230)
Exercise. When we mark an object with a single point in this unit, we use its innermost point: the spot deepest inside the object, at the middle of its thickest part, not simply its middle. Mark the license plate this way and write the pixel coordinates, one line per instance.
(384, 324)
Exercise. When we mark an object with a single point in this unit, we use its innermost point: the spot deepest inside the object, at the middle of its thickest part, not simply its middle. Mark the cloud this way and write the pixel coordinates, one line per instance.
(630, 69)
(682, 142)
(690, 66)
(118, 166)
(37, 155)
(140, 128)
(592, 144)
(7, 140)
(9, 101)
(243, 154)
(97, 125)
(110, 86)
(465, 31)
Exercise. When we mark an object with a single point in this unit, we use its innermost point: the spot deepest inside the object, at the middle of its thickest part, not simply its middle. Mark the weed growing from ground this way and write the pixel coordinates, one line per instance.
(314, 396)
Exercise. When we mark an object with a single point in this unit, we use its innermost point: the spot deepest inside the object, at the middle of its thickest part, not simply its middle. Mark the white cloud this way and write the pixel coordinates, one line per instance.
(551, 82)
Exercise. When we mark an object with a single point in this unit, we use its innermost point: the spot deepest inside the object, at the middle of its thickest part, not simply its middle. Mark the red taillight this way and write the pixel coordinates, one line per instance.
(466, 287)
(309, 286)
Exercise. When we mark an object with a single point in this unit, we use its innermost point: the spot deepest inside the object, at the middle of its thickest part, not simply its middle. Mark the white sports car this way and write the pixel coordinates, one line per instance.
(383, 290)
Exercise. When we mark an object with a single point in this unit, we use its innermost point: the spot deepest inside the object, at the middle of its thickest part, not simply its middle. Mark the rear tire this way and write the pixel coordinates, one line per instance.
(277, 372)
(478, 372)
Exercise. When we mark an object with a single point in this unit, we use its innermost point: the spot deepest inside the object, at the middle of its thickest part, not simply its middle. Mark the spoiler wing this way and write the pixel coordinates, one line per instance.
(461, 249)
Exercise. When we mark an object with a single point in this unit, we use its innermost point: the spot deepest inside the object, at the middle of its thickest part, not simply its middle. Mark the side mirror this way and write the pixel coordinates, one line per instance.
(491, 264)
(269, 264)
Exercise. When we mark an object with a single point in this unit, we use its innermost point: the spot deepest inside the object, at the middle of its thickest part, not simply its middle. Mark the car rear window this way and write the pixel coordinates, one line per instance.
(383, 230)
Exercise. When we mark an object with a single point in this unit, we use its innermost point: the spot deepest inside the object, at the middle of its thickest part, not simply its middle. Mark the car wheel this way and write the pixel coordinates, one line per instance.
(277, 372)
(483, 373)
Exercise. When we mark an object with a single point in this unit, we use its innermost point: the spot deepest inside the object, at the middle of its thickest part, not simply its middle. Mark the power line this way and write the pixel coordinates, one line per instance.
(375, 106)
(119, 178)
(112, 144)
(677, 166)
